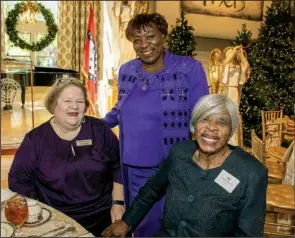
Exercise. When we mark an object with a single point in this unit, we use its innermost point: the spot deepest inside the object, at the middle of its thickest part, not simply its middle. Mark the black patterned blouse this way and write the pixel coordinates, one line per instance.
(196, 205)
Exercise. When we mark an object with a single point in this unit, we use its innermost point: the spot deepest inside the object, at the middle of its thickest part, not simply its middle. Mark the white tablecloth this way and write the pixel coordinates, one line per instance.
(56, 219)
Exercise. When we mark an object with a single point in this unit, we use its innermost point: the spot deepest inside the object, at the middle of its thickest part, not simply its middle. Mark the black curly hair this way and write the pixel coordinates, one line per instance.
(141, 21)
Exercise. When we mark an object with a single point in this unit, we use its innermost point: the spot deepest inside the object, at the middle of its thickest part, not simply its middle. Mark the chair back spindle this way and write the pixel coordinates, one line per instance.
(258, 147)
(272, 128)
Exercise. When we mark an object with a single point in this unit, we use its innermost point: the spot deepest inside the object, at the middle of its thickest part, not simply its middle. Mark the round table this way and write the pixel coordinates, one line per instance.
(56, 220)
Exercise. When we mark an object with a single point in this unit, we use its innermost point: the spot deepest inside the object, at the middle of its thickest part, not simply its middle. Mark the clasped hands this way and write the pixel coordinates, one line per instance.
(118, 228)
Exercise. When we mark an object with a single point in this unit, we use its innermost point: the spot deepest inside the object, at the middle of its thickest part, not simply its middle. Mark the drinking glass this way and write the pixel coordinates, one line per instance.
(16, 211)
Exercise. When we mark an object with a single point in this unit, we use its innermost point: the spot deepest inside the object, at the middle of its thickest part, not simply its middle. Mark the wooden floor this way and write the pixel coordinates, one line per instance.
(17, 122)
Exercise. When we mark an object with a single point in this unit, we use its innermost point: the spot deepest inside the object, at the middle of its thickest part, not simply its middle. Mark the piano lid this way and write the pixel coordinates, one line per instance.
(46, 76)
(39, 69)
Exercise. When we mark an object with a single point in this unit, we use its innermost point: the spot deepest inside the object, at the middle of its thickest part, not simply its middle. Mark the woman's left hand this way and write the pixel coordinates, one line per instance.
(117, 212)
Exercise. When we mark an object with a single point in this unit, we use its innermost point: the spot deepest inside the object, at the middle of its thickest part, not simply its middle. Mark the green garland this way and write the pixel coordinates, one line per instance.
(11, 23)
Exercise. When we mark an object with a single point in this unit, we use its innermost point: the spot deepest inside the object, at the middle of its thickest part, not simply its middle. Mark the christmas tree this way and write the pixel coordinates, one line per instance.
(181, 39)
(271, 84)
(244, 38)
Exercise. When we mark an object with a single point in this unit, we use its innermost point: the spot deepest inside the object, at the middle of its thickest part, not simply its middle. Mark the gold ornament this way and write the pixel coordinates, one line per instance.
(29, 10)
(142, 7)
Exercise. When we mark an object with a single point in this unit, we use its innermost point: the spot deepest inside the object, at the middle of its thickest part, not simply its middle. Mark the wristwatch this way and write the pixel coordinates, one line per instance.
(118, 202)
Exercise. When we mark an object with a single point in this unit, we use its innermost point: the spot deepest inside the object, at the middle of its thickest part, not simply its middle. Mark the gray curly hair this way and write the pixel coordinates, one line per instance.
(214, 104)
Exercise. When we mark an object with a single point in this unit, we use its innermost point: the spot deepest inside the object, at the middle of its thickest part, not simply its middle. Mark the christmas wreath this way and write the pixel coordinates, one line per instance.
(33, 7)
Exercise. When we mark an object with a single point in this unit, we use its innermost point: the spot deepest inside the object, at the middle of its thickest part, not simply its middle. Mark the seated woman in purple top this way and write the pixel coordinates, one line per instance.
(157, 92)
(71, 162)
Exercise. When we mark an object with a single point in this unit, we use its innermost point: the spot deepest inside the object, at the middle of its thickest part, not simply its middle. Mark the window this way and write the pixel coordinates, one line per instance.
(47, 57)
(32, 32)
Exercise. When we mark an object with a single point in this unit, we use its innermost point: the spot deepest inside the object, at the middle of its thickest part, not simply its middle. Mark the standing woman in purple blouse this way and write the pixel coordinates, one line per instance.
(157, 92)
(72, 161)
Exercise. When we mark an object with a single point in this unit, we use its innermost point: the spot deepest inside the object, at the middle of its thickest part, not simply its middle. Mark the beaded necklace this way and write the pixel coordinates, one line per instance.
(146, 80)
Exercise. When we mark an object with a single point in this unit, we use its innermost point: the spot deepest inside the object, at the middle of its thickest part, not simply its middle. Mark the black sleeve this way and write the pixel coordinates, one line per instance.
(253, 207)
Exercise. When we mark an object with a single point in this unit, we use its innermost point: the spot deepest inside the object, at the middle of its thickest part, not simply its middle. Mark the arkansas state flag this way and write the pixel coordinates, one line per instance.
(89, 68)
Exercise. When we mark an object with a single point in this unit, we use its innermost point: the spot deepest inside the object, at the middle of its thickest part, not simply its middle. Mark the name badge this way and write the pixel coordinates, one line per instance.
(227, 181)
(83, 142)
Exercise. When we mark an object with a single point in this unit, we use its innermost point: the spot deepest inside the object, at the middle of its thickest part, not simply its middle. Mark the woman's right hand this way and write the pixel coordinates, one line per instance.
(118, 229)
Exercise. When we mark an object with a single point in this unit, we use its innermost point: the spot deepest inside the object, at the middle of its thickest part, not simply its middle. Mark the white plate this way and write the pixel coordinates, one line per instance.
(7, 230)
(46, 215)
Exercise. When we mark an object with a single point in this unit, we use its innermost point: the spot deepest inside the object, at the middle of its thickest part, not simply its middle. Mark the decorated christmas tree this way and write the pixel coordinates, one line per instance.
(271, 85)
(181, 39)
(244, 38)
(244, 35)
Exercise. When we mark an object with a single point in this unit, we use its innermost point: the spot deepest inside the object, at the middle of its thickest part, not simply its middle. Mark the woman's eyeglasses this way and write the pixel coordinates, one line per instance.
(68, 80)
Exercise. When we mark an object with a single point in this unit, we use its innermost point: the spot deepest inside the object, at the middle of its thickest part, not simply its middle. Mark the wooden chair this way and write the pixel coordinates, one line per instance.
(237, 137)
(281, 201)
(9, 89)
(272, 132)
(276, 167)
(240, 132)
(257, 147)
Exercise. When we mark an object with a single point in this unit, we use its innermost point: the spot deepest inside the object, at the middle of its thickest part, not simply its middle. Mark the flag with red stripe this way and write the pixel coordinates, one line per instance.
(89, 67)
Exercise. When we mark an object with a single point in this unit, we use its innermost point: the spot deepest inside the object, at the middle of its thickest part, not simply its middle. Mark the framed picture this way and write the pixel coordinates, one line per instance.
(248, 10)
(216, 19)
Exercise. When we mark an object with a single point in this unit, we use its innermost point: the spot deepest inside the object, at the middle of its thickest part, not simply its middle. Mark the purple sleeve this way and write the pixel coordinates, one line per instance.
(21, 177)
(113, 151)
(111, 118)
(197, 84)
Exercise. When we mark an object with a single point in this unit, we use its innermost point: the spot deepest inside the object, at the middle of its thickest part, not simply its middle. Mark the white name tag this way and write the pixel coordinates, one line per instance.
(227, 181)
(83, 142)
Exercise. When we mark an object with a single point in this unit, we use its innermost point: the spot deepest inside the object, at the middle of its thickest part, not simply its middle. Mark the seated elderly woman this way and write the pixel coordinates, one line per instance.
(212, 188)
(71, 162)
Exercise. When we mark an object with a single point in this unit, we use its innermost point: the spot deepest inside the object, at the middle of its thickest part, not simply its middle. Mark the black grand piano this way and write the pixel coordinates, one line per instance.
(45, 76)
(42, 76)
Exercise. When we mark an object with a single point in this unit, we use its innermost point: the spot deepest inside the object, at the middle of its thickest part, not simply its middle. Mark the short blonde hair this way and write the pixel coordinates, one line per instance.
(57, 88)
(214, 104)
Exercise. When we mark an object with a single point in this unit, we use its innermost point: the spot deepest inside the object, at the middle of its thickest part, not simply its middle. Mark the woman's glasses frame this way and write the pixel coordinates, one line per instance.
(67, 81)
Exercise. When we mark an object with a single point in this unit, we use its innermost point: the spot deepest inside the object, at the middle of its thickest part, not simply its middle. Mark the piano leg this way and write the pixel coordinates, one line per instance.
(7, 107)
(23, 95)
(24, 81)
